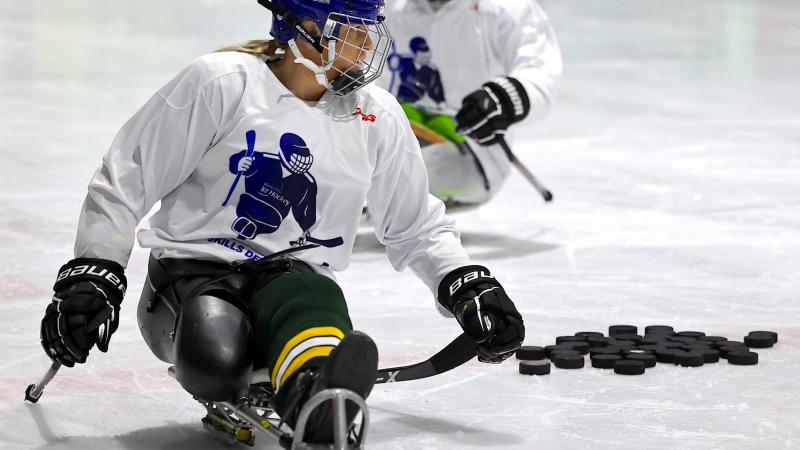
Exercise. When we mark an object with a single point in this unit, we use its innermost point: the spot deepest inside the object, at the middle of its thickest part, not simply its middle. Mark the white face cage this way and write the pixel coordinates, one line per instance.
(363, 45)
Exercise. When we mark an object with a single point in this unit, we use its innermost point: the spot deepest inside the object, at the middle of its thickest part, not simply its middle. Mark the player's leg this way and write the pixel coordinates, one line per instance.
(199, 328)
(304, 335)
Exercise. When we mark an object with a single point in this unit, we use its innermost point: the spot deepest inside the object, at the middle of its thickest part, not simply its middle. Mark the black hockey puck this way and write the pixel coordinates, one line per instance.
(710, 355)
(697, 347)
(564, 351)
(625, 345)
(719, 344)
(629, 367)
(563, 339)
(589, 334)
(652, 340)
(690, 359)
(684, 339)
(773, 334)
(648, 359)
(597, 341)
(649, 347)
(531, 353)
(635, 351)
(563, 361)
(614, 330)
(610, 350)
(758, 340)
(534, 367)
(667, 355)
(659, 329)
(551, 348)
(743, 358)
(712, 339)
(725, 349)
(635, 338)
(691, 334)
(604, 361)
(582, 347)
(672, 345)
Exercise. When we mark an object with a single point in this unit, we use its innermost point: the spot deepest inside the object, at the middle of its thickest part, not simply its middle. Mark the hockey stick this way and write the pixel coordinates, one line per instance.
(461, 350)
(546, 194)
(251, 142)
(34, 391)
(458, 352)
(426, 134)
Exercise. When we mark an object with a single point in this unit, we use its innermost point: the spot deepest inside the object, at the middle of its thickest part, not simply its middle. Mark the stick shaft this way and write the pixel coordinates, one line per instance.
(456, 353)
(543, 191)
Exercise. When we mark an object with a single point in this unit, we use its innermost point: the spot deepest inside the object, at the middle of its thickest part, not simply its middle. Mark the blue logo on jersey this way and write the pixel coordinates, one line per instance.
(417, 75)
(275, 185)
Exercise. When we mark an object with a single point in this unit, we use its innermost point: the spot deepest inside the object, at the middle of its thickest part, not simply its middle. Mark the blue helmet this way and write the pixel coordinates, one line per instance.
(284, 27)
(330, 16)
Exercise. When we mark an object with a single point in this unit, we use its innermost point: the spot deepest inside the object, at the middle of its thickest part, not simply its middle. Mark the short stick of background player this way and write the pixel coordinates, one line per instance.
(292, 319)
(496, 63)
(251, 142)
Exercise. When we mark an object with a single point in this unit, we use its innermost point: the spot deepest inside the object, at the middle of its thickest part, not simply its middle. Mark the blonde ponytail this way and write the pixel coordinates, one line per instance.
(257, 47)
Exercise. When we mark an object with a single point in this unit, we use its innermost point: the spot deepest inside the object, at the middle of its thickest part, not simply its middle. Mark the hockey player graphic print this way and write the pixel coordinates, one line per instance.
(276, 184)
(419, 79)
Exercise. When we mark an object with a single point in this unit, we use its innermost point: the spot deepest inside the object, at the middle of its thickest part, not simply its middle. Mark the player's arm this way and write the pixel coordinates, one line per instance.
(153, 153)
(526, 43)
(412, 225)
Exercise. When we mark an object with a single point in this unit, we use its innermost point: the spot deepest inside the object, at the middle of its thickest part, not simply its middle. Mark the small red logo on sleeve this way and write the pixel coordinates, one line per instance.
(365, 117)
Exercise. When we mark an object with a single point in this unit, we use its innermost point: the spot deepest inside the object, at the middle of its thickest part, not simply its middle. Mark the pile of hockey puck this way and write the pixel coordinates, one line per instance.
(629, 353)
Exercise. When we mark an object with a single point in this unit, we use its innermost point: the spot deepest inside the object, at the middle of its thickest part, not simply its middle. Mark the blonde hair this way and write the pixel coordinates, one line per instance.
(257, 47)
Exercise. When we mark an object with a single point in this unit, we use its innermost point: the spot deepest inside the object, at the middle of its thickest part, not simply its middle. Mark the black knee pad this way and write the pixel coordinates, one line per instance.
(157, 318)
(213, 348)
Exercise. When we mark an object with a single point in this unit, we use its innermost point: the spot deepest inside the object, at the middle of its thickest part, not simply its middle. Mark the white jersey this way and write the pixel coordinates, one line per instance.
(440, 56)
(305, 179)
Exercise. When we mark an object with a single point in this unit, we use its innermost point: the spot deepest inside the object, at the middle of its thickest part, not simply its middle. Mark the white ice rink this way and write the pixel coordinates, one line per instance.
(674, 157)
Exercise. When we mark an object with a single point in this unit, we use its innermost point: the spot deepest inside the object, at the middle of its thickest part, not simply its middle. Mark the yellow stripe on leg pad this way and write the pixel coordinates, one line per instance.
(304, 358)
(298, 339)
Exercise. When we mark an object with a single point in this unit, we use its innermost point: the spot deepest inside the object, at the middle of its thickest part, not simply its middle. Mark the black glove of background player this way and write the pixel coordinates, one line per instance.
(486, 114)
(484, 311)
(84, 311)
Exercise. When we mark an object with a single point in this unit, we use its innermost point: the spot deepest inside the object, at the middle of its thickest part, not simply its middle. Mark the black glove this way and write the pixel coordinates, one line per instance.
(84, 310)
(486, 114)
(484, 311)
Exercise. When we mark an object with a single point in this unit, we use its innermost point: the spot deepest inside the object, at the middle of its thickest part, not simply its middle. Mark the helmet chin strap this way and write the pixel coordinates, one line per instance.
(319, 71)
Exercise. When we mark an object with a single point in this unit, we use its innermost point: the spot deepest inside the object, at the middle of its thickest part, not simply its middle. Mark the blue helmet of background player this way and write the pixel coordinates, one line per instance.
(418, 44)
(330, 16)
(419, 47)
(295, 155)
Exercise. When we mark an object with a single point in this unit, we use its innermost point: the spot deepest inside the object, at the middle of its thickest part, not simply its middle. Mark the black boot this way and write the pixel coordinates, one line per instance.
(352, 365)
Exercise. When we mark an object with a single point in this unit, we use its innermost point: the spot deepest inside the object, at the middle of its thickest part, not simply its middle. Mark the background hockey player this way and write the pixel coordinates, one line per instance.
(497, 62)
(206, 309)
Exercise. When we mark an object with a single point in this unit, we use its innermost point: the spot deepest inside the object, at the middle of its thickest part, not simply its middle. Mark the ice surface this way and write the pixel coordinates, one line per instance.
(674, 157)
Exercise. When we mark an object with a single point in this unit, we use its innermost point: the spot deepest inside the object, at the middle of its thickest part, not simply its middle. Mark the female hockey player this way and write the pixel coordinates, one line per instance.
(465, 71)
(262, 157)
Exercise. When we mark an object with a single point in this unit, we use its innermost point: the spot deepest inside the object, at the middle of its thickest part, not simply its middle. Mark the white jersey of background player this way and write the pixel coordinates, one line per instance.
(256, 149)
(489, 63)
